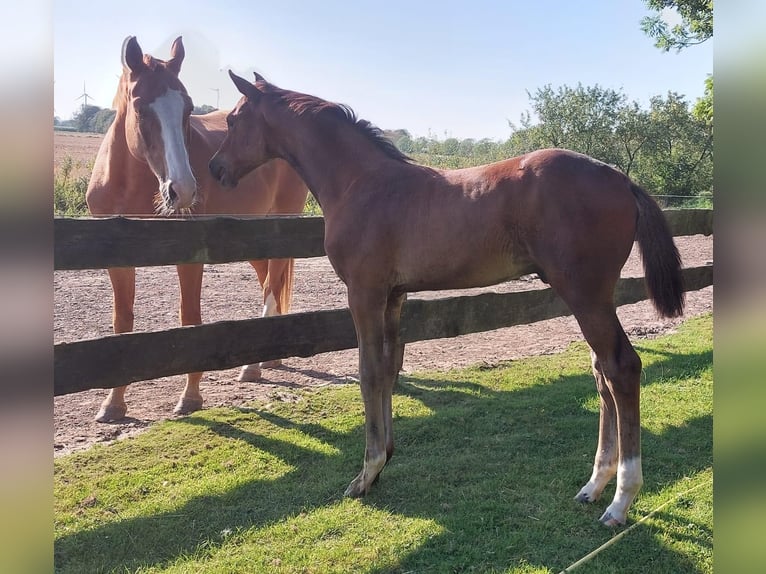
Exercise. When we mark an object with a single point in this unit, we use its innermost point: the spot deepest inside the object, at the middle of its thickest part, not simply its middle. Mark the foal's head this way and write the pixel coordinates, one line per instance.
(245, 146)
(157, 110)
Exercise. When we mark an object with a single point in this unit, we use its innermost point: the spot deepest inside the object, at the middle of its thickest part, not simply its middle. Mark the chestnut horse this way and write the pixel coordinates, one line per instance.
(392, 227)
(154, 138)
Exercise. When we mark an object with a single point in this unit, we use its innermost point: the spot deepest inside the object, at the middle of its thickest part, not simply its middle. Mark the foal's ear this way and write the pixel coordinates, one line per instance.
(245, 88)
(177, 54)
(132, 55)
(258, 77)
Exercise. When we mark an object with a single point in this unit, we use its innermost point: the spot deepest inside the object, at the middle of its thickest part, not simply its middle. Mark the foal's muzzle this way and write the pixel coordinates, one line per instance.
(220, 174)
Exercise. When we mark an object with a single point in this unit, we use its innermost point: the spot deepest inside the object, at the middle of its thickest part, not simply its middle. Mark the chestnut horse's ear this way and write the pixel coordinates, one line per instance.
(258, 77)
(245, 88)
(132, 55)
(177, 54)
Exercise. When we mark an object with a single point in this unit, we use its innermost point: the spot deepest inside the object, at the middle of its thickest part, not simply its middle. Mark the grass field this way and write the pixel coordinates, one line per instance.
(487, 464)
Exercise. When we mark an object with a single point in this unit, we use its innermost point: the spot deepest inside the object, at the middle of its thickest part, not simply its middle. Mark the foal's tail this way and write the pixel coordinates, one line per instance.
(279, 282)
(662, 262)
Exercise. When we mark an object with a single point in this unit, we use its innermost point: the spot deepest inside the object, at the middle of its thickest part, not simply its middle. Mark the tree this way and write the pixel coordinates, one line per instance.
(581, 119)
(678, 160)
(633, 132)
(703, 109)
(93, 119)
(667, 149)
(696, 23)
(83, 118)
(450, 146)
(203, 109)
(101, 120)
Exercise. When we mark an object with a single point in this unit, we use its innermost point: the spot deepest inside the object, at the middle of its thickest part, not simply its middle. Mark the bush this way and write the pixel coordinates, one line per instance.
(69, 190)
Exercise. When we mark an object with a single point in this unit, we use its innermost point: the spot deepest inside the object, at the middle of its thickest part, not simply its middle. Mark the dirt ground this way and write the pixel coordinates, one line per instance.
(81, 148)
(82, 309)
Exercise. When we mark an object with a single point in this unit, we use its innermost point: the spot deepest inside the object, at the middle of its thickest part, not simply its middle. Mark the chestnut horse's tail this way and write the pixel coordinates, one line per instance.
(283, 283)
(662, 262)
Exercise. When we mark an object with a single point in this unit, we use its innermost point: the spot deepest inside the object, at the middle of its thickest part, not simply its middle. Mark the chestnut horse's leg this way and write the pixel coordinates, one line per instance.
(368, 308)
(124, 294)
(277, 294)
(252, 373)
(618, 369)
(190, 280)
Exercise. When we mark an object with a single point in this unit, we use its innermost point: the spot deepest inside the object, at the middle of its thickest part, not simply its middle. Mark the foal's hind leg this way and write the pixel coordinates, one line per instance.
(252, 373)
(619, 371)
(190, 280)
(605, 465)
(123, 280)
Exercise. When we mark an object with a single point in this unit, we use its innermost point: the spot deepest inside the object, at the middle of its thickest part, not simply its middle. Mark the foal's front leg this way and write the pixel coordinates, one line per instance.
(393, 355)
(368, 319)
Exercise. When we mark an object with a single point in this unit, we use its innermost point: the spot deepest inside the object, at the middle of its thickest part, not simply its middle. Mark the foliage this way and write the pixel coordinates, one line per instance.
(679, 158)
(696, 23)
(93, 119)
(667, 148)
(203, 109)
(696, 27)
(703, 109)
(312, 206)
(487, 462)
(69, 189)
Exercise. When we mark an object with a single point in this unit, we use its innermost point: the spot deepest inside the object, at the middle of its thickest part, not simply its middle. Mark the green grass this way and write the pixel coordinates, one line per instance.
(483, 479)
(69, 187)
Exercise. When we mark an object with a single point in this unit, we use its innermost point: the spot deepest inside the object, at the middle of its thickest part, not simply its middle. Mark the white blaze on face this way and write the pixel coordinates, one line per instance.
(169, 109)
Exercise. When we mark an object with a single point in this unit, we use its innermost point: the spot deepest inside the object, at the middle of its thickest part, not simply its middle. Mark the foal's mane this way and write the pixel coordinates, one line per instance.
(307, 104)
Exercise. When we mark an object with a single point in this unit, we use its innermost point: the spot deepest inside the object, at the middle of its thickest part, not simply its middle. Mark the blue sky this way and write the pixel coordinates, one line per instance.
(446, 68)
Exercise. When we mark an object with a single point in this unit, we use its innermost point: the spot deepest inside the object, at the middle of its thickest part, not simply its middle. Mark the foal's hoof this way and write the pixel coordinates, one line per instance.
(608, 520)
(585, 497)
(111, 413)
(187, 405)
(250, 374)
(356, 489)
(271, 364)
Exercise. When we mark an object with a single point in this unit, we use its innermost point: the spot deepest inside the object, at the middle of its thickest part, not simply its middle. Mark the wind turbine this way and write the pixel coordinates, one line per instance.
(84, 96)
(217, 97)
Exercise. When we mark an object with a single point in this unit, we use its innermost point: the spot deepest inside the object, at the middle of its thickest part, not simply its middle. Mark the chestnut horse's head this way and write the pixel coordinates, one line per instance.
(157, 110)
(246, 145)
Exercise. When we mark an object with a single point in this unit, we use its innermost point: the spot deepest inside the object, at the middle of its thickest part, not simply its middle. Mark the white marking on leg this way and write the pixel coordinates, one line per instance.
(270, 310)
(270, 306)
(629, 481)
(602, 474)
(169, 109)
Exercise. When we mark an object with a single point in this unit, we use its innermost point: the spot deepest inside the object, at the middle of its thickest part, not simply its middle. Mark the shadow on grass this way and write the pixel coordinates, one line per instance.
(496, 469)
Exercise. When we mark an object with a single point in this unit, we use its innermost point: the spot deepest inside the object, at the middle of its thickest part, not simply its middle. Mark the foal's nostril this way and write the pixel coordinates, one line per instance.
(172, 195)
(216, 170)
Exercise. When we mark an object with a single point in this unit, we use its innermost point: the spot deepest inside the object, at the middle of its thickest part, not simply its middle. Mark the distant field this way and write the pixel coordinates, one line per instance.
(80, 147)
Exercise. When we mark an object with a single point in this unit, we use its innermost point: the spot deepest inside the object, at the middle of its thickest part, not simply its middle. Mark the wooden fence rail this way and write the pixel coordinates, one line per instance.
(119, 359)
(87, 243)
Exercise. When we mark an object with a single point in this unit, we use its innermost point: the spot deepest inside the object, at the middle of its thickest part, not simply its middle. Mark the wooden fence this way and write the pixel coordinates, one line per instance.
(120, 359)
